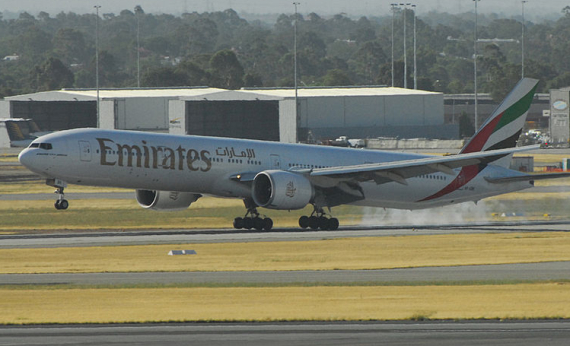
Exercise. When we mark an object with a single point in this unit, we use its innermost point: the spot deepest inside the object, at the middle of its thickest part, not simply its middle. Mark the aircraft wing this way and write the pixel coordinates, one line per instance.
(399, 171)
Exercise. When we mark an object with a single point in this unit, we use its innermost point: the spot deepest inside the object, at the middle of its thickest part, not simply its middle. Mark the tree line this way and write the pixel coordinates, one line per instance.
(221, 49)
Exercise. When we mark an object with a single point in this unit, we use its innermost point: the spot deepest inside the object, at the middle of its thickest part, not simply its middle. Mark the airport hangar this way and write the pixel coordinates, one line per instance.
(265, 114)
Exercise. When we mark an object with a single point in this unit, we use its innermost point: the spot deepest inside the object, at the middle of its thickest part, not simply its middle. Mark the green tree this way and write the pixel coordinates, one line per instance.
(69, 45)
(367, 61)
(163, 77)
(193, 74)
(336, 77)
(226, 70)
(51, 75)
(466, 128)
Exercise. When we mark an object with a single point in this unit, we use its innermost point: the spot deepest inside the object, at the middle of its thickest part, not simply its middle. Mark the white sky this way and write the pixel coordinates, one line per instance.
(323, 7)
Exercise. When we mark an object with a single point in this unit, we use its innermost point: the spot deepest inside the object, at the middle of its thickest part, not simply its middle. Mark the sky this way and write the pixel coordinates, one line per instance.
(322, 7)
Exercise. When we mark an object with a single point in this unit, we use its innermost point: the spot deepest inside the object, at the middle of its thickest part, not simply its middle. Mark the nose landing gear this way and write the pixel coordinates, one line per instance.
(61, 203)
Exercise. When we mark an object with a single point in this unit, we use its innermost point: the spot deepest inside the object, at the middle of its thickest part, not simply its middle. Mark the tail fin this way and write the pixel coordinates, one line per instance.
(504, 126)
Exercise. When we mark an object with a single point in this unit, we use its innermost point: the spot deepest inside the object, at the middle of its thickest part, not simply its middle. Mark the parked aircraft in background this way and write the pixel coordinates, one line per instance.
(171, 172)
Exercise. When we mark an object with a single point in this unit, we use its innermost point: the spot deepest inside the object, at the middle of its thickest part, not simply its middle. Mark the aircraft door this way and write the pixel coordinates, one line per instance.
(275, 161)
(85, 151)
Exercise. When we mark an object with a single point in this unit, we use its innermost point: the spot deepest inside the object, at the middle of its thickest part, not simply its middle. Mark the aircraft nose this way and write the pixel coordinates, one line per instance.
(24, 158)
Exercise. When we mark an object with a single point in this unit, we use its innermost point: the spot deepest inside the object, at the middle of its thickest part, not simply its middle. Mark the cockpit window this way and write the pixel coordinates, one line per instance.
(45, 146)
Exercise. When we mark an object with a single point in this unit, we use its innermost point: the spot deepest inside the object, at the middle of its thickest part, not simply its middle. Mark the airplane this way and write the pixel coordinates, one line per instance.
(170, 172)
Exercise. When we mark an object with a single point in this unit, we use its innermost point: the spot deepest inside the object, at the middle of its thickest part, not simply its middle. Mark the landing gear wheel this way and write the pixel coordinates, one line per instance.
(314, 222)
(238, 223)
(61, 204)
(333, 224)
(323, 223)
(258, 223)
(248, 223)
(304, 221)
(267, 224)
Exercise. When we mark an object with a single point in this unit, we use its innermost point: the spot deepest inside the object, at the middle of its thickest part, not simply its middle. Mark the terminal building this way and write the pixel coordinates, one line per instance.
(265, 114)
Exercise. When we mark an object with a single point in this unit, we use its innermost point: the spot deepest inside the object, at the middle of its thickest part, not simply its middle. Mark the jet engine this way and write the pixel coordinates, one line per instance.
(165, 200)
(282, 190)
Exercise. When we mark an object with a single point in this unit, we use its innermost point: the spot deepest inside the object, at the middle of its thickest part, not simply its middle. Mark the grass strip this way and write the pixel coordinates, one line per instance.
(97, 214)
(543, 300)
(334, 254)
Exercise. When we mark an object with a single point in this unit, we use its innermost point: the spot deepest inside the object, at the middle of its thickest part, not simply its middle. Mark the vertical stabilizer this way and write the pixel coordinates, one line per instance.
(504, 126)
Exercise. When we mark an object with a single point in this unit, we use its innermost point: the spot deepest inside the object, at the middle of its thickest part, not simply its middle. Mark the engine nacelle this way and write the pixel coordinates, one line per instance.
(282, 190)
(166, 200)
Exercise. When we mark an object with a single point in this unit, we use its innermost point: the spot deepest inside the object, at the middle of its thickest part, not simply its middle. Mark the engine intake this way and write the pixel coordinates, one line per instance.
(282, 190)
(165, 200)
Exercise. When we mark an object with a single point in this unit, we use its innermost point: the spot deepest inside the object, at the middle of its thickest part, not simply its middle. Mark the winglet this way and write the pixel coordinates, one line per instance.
(505, 125)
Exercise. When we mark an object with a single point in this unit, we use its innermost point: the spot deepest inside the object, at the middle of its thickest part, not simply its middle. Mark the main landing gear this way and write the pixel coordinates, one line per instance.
(252, 218)
(61, 203)
(318, 220)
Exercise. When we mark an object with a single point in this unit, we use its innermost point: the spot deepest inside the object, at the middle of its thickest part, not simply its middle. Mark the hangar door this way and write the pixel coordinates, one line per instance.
(235, 119)
(57, 115)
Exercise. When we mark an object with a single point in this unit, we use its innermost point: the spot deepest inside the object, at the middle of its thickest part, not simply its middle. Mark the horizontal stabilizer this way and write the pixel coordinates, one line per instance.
(527, 177)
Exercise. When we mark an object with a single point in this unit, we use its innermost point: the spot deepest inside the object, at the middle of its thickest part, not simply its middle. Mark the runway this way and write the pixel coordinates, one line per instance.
(525, 333)
(176, 236)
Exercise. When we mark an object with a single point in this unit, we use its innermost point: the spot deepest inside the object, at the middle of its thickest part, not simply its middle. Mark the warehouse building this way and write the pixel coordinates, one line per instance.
(228, 114)
(458, 104)
(124, 109)
(265, 114)
(360, 112)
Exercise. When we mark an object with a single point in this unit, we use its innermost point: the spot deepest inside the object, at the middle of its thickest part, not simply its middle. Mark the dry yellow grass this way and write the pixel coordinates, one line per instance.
(546, 158)
(284, 303)
(353, 253)
(528, 196)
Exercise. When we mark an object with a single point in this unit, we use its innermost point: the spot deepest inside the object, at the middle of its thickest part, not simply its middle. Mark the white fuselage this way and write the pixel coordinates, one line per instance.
(205, 165)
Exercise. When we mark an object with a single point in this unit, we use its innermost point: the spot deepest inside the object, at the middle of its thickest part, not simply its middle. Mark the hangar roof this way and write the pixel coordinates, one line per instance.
(232, 95)
(91, 94)
(214, 94)
(339, 91)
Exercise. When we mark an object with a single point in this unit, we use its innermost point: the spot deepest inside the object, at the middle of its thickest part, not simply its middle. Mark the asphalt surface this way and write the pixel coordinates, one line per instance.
(489, 273)
(526, 333)
(145, 237)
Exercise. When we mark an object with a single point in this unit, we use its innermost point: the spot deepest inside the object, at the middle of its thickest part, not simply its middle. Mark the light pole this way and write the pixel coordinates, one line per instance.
(415, 61)
(137, 12)
(405, 53)
(475, 67)
(522, 39)
(295, 70)
(97, 7)
(394, 8)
